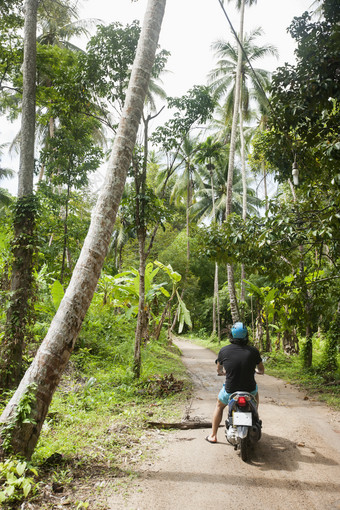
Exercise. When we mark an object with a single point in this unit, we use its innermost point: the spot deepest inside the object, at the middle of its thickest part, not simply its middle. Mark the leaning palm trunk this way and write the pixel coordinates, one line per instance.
(43, 376)
(231, 284)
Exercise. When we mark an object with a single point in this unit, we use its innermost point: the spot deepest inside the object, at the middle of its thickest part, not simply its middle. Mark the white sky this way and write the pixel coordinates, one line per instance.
(189, 28)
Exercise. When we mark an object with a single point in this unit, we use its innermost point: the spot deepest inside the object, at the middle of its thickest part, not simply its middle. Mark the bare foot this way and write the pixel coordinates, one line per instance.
(211, 439)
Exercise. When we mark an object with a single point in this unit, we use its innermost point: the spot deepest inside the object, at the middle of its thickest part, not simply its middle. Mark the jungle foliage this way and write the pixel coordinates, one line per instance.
(176, 192)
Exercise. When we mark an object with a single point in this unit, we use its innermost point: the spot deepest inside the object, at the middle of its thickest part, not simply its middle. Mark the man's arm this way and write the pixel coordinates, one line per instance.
(259, 369)
(220, 369)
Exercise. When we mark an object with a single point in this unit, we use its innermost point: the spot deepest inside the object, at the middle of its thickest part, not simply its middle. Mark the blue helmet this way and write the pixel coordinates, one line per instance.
(239, 331)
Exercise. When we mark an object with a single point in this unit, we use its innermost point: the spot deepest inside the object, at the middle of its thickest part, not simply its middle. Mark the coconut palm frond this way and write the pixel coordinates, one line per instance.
(6, 173)
(5, 198)
(222, 78)
(14, 146)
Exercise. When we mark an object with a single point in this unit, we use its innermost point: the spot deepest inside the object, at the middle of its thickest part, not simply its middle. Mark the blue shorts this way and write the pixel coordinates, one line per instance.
(223, 396)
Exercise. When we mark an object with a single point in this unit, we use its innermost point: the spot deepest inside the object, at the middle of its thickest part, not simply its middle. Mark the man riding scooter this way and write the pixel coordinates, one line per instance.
(238, 361)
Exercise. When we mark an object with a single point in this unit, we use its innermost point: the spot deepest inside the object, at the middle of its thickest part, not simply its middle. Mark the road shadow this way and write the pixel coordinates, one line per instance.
(279, 453)
(199, 478)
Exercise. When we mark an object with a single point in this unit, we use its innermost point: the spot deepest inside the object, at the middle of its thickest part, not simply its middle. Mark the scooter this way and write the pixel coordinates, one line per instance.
(243, 426)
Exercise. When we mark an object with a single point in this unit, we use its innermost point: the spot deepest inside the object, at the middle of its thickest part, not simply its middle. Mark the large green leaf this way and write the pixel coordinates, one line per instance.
(20, 468)
(254, 288)
(183, 315)
(174, 276)
(150, 274)
(26, 487)
(57, 293)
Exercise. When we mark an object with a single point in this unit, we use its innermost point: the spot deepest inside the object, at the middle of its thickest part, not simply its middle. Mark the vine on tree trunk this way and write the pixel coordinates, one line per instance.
(22, 291)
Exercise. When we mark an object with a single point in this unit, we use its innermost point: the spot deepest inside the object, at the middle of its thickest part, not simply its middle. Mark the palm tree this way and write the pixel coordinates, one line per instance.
(182, 176)
(43, 376)
(5, 198)
(318, 6)
(223, 81)
(140, 178)
(207, 152)
(203, 207)
(211, 198)
(58, 22)
(230, 271)
(226, 76)
(261, 168)
(223, 77)
(24, 220)
(183, 180)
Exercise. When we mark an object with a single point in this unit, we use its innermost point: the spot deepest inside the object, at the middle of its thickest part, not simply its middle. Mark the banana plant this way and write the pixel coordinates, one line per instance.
(266, 297)
(123, 289)
(182, 311)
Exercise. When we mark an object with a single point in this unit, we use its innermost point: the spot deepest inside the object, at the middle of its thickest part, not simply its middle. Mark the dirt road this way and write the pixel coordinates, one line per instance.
(295, 466)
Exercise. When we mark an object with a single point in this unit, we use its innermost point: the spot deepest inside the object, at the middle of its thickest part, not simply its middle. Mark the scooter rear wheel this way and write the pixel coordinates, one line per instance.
(244, 447)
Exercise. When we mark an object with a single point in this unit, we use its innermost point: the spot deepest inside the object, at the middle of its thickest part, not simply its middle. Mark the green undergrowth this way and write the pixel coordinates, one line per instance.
(317, 381)
(99, 395)
(97, 428)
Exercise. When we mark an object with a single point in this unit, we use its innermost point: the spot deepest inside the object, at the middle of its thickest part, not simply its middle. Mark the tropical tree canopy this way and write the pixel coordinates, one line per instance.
(178, 236)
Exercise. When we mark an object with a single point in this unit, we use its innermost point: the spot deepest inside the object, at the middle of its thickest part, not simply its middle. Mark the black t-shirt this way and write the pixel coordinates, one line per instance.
(239, 362)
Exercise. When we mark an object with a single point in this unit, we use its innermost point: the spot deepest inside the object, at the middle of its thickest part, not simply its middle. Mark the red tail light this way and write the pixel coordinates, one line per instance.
(242, 401)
